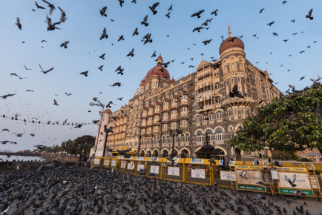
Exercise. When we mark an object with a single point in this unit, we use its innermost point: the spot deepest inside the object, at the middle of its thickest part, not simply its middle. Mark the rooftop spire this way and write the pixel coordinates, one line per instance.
(229, 33)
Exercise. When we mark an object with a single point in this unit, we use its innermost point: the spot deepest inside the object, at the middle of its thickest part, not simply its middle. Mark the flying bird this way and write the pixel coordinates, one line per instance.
(68, 94)
(120, 98)
(5, 129)
(302, 78)
(285, 40)
(64, 44)
(232, 39)
(119, 69)
(135, 32)
(301, 52)
(235, 93)
(284, 2)
(214, 12)
(45, 72)
(102, 56)
(121, 2)
(206, 42)
(51, 6)
(26, 68)
(294, 34)
(197, 29)
(291, 180)
(275, 34)
(120, 38)
(254, 35)
(153, 8)
(18, 23)
(84, 73)
(243, 174)
(39, 7)
(271, 23)
(170, 8)
(55, 102)
(116, 84)
(8, 95)
(130, 53)
(29, 91)
(168, 15)
(309, 16)
(100, 67)
(104, 35)
(63, 15)
(145, 21)
(154, 54)
(198, 14)
(50, 26)
(261, 10)
(293, 20)
(102, 11)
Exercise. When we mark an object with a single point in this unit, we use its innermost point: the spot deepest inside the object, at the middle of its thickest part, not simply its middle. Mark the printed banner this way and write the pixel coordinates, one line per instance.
(121, 157)
(123, 164)
(130, 166)
(113, 163)
(274, 174)
(198, 173)
(154, 169)
(252, 188)
(176, 160)
(140, 166)
(97, 161)
(154, 159)
(231, 163)
(106, 162)
(174, 171)
(140, 158)
(225, 175)
(249, 177)
(221, 163)
(196, 161)
(291, 191)
(294, 180)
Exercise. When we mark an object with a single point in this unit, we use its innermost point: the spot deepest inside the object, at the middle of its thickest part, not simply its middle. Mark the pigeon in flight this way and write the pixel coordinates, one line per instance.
(293, 20)
(135, 32)
(5, 129)
(232, 39)
(261, 10)
(294, 34)
(197, 29)
(170, 8)
(63, 15)
(275, 34)
(214, 12)
(121, 2)
(271, 23)
(168, 15)
(55, 102)
(51, 6)
(104, 35)
(145, 21)
(102, 56)
(291, 180)
(134, 1)
(68, 94)
(29, 91)
(206, 42)
(285, 40)
(235, 93)
(120, 38)
(18, 23)
(302, 78)
(116, 84)
(26, 68)
(64, 44)
(100, 68)
(130, 53)
(45, 72)
(154, 54)
(309, 16)
(243, 174)
(102, 11)
(301, 52)
(8, 95)
(120, 98)
(39, 7)
(50, 26)
(284, 2)
(153, 8)
(84, 73)
(198, 14)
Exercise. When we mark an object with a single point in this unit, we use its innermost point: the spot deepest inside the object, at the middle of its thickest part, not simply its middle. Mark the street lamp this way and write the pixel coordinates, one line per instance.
(107, 130)
(178, 131)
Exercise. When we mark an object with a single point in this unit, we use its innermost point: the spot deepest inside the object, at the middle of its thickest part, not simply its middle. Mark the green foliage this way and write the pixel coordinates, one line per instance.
(291, 123)
(304, 160)
(283, 155)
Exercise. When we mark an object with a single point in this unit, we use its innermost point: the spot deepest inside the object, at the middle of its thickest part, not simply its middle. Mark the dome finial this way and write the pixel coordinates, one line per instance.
(229, 33)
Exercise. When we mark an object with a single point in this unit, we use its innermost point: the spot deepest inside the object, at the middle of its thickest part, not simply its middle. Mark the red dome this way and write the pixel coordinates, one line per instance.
(172, 80)
(142, 81)
(107, 111)
(226, 45)
(157, 71)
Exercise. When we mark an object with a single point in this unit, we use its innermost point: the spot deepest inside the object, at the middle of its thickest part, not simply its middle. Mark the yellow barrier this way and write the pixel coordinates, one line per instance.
(173, 172)
(106, 162)
(250, 178)
(98, 160)
(138, 163)
(199, 171)
(154, 167)
(115, 162)
(124, 162)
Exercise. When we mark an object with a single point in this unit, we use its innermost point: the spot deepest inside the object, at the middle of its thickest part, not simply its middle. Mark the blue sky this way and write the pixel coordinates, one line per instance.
(83, 29)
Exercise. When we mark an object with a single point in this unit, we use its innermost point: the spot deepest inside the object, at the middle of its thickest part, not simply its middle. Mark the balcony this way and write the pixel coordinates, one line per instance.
(143, 115)
(157, 111)
(149, 132)
(183, 114)
(165, 108)
(206, 107)
(156, 131)
(238, 102)
(173, 128)
(174, 106)
(165, 129)
(165, 119)
(184, 103)
(183, 126)
(150, 113)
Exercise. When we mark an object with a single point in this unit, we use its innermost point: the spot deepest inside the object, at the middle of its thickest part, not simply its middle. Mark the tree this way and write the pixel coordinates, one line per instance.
(290, 123)
(85, 143)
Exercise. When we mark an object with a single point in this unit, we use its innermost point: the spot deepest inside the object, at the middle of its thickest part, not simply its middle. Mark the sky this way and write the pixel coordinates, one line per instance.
(83, 28)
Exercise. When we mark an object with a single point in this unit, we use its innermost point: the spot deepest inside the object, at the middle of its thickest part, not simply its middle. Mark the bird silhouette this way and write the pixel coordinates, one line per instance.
(84, 73)
(63, 15)
(309, 15)
(197, 29)
(168, 15)
(144, 22)
(135, 32)
(18, 23)
(261, 10)
(198, 14)
(214, 12)
(206, 42)
(102, 11)
(45, 72)
(39, 7)
(64, 44)
(130, 53)
(51, 6)
(153, 8)
(104, 35)
(271, 23)
(102, 56)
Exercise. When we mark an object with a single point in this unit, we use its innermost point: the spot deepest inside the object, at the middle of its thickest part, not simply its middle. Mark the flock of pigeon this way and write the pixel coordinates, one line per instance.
(51, 190)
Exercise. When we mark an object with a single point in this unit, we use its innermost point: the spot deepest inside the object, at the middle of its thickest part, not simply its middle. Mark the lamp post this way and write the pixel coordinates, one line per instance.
(178, 131)
(139, 143)
(107, 130)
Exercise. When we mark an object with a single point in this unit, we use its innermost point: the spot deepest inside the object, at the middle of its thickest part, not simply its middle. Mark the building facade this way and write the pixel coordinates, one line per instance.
(197, 104)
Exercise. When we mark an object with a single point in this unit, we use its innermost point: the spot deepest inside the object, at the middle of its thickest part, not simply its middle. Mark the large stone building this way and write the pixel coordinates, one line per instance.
(197, 104)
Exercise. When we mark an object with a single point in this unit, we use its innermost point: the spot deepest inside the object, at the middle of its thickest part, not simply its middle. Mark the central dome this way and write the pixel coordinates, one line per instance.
(157, 70)
(226, 44)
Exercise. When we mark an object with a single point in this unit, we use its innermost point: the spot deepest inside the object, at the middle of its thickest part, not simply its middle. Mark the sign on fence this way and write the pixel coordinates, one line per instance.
(123, 164)
(113, 163)
(294, 180)
(249, 177)
(291, 191)
(198, 173)
(274, 175)
(97, 161)
(106, 162)
(140, 166)
(140, 158)
(174, 171)
(196, 161)
(221, 163)
(251, 188)
(154, 169)
(225, 175)
(154, 159)
(130, 166)
(313, 182)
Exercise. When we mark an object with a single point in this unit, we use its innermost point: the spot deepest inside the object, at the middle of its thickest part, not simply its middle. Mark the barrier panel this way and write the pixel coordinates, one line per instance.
(173, 172)
(199, 171)
(124, 164)
(106, 162)
(115, 162)
(154, 167)
(98, 160)
(138, 163)
(250, 178)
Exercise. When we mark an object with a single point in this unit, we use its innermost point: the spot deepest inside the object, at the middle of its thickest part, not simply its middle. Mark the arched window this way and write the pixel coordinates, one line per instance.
(168, 139)
(219, 115)
(199, 136)
(136, 143)
(198, 119)
(187, 137)
(218, 99)
(217, 85)
(158, 141)
(205, 117)
(211, 116)
(182, 138)
(210, 135)
(219, 134)
(164, 140)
